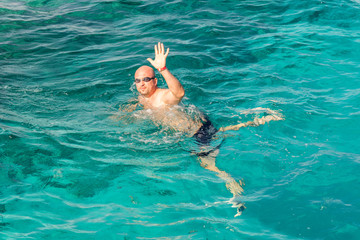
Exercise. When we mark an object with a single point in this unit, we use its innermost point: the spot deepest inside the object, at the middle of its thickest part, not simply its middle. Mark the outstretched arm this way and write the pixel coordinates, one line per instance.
(128, 107)
(176, 91)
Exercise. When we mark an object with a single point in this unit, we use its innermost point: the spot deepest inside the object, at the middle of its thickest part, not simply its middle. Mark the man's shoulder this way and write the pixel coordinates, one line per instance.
(162, 91)
(164, 95)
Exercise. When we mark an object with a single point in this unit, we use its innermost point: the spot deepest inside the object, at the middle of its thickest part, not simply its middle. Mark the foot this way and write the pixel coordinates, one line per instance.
(240, 208)
(236, 203)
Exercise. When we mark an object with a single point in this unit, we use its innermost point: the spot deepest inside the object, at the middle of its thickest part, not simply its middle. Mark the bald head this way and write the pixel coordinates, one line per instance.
(144, 71)
(147, 88)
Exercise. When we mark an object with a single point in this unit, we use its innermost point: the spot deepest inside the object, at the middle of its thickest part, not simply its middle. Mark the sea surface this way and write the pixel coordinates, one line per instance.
(70, 170)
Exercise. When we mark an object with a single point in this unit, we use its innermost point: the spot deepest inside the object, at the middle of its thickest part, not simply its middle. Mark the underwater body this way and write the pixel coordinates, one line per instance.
(75, 164)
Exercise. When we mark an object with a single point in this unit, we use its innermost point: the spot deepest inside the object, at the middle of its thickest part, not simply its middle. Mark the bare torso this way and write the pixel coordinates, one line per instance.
(173, 117)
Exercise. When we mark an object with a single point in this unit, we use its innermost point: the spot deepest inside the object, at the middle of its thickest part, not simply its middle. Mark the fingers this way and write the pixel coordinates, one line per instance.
(150, 60)
(160, 49)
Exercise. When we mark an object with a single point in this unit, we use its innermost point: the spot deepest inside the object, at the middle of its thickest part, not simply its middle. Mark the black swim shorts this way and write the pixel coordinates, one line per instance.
(204, 136)
(205, 133)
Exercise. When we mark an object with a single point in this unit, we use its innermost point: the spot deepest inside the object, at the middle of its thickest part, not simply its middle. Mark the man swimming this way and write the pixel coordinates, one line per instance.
(163, 104)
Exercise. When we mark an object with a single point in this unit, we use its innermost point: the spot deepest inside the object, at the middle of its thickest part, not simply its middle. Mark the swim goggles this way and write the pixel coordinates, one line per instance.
(145, 79)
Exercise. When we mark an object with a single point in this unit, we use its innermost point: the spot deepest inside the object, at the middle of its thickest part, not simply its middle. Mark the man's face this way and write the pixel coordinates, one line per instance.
(148, 82)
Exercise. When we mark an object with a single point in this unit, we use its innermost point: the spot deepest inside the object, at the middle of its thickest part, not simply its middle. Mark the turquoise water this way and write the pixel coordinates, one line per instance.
(67, 170)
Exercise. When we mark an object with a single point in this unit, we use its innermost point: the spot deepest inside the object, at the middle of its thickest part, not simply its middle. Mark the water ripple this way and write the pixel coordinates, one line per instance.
(66, 66)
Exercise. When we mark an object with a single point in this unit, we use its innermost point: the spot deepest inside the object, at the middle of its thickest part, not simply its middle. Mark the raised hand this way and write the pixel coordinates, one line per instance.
(160, 56)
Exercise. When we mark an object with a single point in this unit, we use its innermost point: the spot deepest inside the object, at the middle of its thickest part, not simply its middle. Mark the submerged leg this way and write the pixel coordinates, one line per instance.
(208, 162)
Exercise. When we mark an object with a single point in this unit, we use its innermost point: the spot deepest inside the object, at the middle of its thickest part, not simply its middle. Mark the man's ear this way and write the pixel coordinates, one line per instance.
(156, 81)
